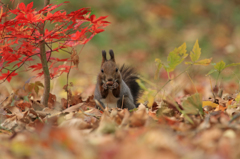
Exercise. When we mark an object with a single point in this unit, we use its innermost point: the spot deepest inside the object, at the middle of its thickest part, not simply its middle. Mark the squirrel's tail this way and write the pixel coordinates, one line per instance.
(129, 77)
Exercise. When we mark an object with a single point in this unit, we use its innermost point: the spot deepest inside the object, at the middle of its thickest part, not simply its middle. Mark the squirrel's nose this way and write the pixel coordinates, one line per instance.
(109, 79)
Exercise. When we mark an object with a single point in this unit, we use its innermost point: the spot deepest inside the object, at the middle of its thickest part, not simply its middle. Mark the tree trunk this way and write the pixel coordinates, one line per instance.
(44, 64)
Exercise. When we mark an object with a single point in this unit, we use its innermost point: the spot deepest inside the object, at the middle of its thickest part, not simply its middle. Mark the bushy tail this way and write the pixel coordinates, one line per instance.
(129, 77)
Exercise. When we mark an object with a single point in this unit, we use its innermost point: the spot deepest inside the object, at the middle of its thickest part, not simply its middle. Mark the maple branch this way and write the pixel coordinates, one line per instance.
(5, 5)
(7, 69)
(50, 52)
(35, 28)
(57, 30)
(44, 63)
(66, 51)
(24, 62)
(63, 40)
(46, 2)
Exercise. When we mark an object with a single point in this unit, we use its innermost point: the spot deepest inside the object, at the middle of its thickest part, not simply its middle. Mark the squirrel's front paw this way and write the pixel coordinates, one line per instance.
(105, 86)
(115, 85)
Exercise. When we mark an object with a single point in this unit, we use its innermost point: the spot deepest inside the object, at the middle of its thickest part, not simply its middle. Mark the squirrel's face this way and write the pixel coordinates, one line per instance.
(109, 70)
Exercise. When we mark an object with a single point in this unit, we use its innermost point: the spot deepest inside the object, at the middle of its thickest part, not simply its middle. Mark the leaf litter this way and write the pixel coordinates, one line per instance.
(185, 127)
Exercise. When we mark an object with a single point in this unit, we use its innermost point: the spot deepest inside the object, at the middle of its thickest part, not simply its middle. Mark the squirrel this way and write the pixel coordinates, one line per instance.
(116, 87)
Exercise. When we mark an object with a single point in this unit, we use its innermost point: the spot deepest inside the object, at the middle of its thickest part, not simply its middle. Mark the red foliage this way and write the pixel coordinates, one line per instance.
(20, 36)
(8, 76)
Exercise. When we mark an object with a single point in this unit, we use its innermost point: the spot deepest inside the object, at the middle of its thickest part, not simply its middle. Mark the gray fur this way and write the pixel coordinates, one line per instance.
(113, 102)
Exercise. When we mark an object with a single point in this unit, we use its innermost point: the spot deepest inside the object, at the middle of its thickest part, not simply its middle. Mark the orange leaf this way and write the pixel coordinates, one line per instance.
(153, 115)
(219, 107)
(229, 103)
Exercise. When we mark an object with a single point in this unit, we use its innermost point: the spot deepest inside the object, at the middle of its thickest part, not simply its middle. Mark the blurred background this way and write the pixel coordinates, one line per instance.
(143, 30)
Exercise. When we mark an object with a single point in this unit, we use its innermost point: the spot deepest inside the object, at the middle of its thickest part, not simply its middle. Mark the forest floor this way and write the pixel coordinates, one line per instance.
(78, 130)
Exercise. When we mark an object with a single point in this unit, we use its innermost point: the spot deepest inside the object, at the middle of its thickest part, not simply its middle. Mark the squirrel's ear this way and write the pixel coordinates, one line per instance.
(112, 55)
(104, 58)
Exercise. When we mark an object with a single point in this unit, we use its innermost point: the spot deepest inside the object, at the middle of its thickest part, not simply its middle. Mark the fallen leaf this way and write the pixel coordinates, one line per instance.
(209, 103)
(221, 108)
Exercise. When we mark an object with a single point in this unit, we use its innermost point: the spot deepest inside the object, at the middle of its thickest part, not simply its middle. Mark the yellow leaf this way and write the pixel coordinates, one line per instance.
(204, 62)
(209, 103)
(150, 100)
(149, 96)
(182, 50)
(220, 66)
(176, 57)
(237, 99)
(196, 52)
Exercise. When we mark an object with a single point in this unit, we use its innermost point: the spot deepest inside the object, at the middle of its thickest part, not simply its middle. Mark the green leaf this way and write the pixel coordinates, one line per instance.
(133, 110)
(159, 66)
(220, 66)
(12, 103)
(38, 83)
(193, 104)
(196, 52)
(176, 57)
(204, 62)
(232, 64)
(211, 71)
(36, 89)
(25, 98)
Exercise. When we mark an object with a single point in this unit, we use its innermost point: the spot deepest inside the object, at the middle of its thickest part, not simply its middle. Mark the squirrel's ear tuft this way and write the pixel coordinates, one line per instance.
(104, 58)
(112, 55)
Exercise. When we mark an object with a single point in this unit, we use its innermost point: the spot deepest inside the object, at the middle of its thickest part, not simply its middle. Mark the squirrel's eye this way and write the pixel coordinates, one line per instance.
(102, 70)
(116, 69)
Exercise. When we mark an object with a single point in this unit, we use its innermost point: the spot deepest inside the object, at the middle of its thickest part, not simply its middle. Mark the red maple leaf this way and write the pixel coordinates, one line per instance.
(36, 67)
(25, 9)
(8, 75)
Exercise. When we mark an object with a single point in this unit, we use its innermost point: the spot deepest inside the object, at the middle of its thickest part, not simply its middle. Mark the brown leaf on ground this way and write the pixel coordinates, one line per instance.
(74, 108)
(51, 100)
(154, 106)
(172, 105)
(24, 105)
(76, 123)
(139, 117)
(37, 106)
(76, 99)
(106, 125)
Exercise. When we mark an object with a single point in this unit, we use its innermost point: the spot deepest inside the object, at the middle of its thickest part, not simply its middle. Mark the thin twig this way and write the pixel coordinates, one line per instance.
(172, 79)
(192, 82)
(67, 81)
(212, 88)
